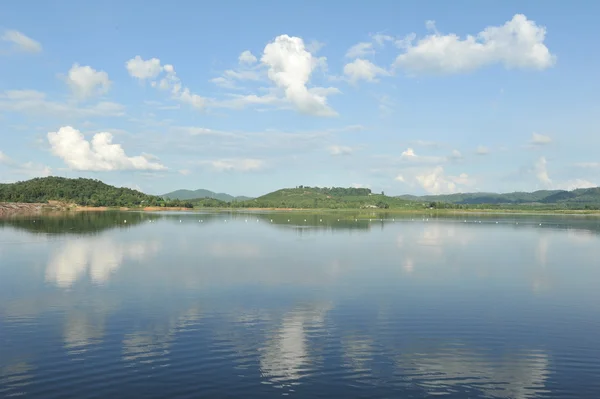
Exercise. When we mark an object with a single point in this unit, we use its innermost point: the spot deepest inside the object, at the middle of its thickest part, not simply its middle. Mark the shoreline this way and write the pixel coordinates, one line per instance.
(20, 208)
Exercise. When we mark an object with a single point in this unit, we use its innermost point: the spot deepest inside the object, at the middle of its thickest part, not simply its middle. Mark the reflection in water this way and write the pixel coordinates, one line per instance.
(153, 345)
(14, 378)
(358, 354)
(102, 256)
(81, 330)
(286, 355)
(517, 376)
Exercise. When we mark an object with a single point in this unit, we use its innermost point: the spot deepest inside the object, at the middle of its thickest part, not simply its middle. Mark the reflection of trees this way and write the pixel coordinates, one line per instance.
(76, 222)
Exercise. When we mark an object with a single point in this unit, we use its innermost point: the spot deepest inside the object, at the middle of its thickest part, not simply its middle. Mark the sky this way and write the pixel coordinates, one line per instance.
(242, 97)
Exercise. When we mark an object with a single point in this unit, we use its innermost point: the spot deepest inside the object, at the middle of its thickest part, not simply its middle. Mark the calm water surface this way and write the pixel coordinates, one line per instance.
(270, 304)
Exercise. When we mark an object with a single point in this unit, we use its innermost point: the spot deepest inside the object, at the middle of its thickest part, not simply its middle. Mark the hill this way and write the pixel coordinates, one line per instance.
(85, 192)
(325, 197)
(202, 193)
(560, 198)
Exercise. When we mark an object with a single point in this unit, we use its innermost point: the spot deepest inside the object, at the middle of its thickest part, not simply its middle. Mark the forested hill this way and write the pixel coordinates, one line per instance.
(202, 193)
(325, 197)
(86, 192)
(579, 196)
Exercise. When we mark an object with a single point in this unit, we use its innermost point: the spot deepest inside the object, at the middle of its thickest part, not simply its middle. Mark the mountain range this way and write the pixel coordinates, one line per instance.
(581, 196)
(202, 193)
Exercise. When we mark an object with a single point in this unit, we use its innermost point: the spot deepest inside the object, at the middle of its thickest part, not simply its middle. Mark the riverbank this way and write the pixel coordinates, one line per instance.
(18, 208)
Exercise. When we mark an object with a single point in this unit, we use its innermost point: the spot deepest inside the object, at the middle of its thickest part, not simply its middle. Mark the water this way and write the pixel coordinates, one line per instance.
(193, 305)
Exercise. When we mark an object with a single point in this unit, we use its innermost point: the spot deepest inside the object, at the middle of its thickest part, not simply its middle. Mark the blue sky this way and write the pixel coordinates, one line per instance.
(246, 98)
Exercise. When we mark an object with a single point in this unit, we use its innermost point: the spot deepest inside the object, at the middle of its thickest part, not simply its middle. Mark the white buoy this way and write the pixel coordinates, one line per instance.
(320, 220)
(288, 220)
(540, 224)
(256, 220)
(202, 221)
(338, 220)
(225, 220)
(246, 220)
(393, 220)
(369, 220)
(125, 221)
(305, 220)
(271, 220)
(496, 222)
(179, 220)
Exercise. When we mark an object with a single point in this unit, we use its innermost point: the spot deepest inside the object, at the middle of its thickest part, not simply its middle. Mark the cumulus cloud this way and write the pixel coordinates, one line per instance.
(591, 165)
(409, 153)
(237, 165)
(151, 69)
(437, 182)
(541, 171)
(30, 169)
(85, 81)
(340, 150)
(143, 69)
(360, 50)
(21, 42)
(519, 43)
(290, 67)
(247, 57)
(99, 154)
(539, 139)
(4, 159)
(361, 69)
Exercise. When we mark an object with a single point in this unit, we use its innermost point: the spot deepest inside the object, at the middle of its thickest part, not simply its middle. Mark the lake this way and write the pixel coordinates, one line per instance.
(258, 304)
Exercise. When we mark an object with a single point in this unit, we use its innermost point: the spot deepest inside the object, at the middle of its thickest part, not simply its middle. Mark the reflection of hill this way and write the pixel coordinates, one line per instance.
(76, 222)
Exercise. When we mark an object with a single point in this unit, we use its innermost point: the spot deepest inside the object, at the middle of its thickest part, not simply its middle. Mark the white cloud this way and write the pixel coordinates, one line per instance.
(361, 69)
(238, 165)
(539, 139)
(247, 58)
(541, 171)
(519, 43)
(185, 172)
(456, 155)
(409, 153)
(85, 81)
(340, 150)
(290, 67)
(574, 184)
(482, 150)
(360, 50)
(360, 185)
(35, 103)
(381, 38)
(437, 182)
(21, 42)
(4, 159)
(99, 154)
(591, 165)
(151, 69)
(143, 69)
(400, 178)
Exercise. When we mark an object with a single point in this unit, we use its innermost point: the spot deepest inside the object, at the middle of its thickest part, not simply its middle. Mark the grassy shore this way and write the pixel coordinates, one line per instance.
(10, 208)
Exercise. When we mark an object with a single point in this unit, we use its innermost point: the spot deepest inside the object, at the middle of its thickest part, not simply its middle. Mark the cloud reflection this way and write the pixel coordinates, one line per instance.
(286, 355)
(99, 257)
(518, 376)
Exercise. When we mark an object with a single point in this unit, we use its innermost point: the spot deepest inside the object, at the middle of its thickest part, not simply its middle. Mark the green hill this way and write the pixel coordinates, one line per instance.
(86, 192)
(559, 198)
(202, 193)
(325, 197)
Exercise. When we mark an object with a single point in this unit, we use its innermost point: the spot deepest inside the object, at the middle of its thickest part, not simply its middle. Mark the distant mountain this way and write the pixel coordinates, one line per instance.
(578, 196)
(201, 193)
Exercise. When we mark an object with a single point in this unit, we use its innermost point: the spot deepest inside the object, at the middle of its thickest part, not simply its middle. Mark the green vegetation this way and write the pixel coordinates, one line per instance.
(583, 199)
(84, 192)
(304, 197)
(201, 193)
(94, 193)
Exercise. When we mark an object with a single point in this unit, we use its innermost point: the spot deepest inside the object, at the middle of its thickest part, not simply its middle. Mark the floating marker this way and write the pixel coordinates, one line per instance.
(393, 220)
(496, 222)
(179, 220)
(320, 220)
(288, 220)
(256, 220)
(201, 221)
(338, 220)
(540, 224)
(246, 220)
(124, 221)
(369, 220)
(305, 220)
(225, 220)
